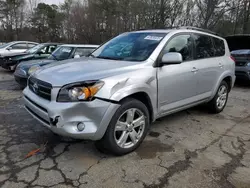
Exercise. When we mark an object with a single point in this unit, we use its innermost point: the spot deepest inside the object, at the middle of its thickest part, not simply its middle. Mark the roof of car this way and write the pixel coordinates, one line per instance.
(23, 41)
(181, 29)
(154, 31)
(81, 45)
(51, 43)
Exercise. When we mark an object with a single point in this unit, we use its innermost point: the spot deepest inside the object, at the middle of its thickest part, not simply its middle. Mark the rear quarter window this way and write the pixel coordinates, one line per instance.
(204, 47)
(219, 47)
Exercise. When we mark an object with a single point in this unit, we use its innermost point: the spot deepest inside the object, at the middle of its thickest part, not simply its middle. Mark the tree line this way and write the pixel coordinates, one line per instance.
(95, 21)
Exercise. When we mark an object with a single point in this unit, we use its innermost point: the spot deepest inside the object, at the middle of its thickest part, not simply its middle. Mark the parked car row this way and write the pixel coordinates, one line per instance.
(240, 50)
(63, 52)
(40, 51)
(32, 56)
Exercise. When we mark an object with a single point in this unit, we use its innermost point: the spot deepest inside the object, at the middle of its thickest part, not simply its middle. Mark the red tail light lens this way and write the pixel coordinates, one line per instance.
(233, 58)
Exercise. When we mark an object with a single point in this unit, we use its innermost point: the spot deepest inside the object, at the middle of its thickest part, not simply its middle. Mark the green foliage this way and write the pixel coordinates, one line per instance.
(46, 22)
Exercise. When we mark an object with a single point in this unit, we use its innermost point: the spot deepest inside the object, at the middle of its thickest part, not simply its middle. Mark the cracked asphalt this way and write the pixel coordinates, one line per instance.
(190, 149)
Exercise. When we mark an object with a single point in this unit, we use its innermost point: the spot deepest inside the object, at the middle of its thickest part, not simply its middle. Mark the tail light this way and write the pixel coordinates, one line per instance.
(233, 58)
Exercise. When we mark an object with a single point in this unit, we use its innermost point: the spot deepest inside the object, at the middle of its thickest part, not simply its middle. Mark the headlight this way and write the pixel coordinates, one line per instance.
(79, 91)
(248, 64)
(33, 69)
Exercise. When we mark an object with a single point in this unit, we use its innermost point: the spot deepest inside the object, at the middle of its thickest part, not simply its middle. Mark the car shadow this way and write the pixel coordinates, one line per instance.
(242, 84)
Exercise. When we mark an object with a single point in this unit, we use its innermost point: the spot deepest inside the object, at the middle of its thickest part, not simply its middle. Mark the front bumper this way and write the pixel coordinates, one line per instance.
(242, 73)
(9, 65)
(62, 118)
(22, 81)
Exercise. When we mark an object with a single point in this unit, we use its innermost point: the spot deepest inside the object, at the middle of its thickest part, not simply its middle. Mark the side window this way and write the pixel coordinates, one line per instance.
(203, 46)
(31, 45)
(219, 47)
(20, 46)
(182, 44)
(83, 51)
(43, 50)
(50, 49)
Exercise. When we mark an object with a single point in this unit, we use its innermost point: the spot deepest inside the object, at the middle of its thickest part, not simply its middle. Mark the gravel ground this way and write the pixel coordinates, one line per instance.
(190, 149)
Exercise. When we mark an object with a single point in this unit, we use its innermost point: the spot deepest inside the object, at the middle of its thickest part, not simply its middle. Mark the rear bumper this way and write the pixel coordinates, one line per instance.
(63, 118)
(242, 73)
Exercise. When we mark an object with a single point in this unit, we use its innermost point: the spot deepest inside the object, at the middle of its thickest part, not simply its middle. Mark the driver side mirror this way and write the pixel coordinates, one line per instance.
(9, 48)
(76, 56)
(171, 58)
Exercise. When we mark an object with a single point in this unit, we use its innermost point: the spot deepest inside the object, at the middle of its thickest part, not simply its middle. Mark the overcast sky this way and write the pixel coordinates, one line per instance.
(52, 1)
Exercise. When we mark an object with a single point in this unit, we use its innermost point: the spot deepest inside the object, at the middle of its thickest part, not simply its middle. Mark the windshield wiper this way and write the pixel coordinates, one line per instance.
(111, 58)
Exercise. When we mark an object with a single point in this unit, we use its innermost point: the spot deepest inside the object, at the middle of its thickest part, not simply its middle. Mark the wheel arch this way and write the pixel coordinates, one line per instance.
(145, 99)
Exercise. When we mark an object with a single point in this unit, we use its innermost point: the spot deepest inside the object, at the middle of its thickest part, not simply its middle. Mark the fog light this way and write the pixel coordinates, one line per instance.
(80, 126)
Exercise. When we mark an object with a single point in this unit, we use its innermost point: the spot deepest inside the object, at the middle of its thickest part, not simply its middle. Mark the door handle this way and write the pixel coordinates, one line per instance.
(195, 70)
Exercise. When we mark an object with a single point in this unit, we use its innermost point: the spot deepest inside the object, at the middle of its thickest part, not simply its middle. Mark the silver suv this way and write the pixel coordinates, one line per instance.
(114, 95)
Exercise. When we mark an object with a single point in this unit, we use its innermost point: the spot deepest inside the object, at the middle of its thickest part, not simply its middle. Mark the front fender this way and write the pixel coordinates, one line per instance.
(150, 91)
(130, 90)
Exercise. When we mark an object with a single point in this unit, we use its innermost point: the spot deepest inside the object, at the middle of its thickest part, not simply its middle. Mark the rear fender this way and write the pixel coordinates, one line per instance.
(222, 77)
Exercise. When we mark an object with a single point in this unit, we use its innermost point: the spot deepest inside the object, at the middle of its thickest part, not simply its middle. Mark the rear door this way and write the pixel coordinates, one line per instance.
(208, 64)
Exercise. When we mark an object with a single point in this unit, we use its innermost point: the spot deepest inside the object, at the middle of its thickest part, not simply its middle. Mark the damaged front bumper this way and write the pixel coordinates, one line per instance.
(64, 118)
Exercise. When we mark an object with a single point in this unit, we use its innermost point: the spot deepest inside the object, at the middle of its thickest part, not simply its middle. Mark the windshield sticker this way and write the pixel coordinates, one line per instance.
(153, 38)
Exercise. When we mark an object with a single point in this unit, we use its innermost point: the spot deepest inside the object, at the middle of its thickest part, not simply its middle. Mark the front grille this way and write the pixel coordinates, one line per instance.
(40, 88)
(241, 63)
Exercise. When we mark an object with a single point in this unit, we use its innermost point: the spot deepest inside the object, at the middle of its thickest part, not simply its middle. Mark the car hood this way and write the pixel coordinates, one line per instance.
(36, 62)
(83, 69)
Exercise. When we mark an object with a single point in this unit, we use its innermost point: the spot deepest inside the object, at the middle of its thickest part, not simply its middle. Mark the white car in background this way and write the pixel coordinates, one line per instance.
(16, 47)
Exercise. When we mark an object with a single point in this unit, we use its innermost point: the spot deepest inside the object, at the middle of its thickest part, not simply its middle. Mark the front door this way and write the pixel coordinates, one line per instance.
(177, 84)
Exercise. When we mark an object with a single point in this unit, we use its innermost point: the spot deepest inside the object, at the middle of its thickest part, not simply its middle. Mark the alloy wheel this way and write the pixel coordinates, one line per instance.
(129, 128)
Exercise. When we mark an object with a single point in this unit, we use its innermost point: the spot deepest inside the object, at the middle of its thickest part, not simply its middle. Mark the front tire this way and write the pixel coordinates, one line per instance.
(219, 101)
(127, 128)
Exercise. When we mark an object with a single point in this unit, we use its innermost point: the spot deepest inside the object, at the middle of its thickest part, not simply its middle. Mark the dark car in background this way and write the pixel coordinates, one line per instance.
(40, 51)
(14, 48)
(239, 46)
(67, 51)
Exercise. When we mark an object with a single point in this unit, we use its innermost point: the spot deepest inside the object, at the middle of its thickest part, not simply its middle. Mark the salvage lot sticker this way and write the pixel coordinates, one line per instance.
(153, 38)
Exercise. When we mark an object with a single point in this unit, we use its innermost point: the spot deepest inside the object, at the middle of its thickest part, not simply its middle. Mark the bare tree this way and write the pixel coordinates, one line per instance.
(211, 11)
(246, 15)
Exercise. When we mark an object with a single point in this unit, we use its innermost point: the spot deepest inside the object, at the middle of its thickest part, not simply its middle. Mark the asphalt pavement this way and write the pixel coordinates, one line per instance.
(189, 149)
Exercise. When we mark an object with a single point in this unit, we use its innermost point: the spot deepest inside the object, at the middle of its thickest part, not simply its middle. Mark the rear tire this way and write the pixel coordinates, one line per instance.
(218, 103)
(127, 129)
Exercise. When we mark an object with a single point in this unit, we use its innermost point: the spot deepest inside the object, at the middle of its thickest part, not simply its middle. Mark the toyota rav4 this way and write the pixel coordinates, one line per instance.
(114, 95)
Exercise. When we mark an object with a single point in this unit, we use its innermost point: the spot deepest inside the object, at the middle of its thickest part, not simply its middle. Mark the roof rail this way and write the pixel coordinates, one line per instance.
(198, 29)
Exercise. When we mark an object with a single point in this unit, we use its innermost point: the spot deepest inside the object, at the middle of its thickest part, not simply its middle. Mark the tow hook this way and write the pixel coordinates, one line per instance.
(55, 121)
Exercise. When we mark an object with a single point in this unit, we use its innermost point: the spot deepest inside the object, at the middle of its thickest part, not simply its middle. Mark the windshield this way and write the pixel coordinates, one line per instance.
(6, 45)
(35, 49)
(61, 53)
(130, 46)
